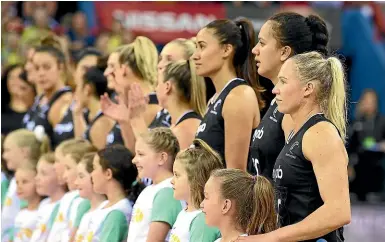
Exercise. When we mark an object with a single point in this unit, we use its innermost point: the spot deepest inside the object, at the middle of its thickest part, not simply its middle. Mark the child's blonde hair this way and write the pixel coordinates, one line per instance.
(199, 161)
(162, 140)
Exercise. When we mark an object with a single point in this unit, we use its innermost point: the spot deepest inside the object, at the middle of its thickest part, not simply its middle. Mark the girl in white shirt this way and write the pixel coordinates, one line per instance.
(70, 152)
(156, 209)
(20, 147)
(239, 204)
(192, 169)
(47, 184)
(113, 175)
(84, 183)
(26, 219)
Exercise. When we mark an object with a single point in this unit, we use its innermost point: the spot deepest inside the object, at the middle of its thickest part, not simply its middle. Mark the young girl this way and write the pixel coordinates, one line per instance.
(156, 209)
(26, 219)
(192, 169)
(113, 175)
(239, 204)
(84, 183)
(62, 226)
(47, 184)
(20, 147)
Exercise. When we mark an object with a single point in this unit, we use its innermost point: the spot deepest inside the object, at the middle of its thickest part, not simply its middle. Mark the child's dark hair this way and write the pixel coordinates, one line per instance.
(96, 79)
(118, 159)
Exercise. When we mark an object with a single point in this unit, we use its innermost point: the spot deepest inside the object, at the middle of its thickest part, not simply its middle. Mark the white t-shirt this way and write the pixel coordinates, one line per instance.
(81, 233)
(10, 209)
(60, 225)
(25, 224)
(98, 217)
(44, 214)
(242, 235)
(181, 229)
(141, 218)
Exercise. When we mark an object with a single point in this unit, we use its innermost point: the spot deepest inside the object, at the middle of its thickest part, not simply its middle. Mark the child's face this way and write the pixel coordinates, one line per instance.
(99, 177)
(180, 182)
(26, 184)
(212, 202)
(146, 160)
(69, 174)
(13, 154)
(59, 166)
(83, 181)
(46, 179)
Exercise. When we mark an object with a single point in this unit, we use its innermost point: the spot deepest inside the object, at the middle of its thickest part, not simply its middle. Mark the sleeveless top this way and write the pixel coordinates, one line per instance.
(87, 134)
(65, 129)
(187, 115)
(296, 184)
(37, 115)
(267, 141)
(212, 128)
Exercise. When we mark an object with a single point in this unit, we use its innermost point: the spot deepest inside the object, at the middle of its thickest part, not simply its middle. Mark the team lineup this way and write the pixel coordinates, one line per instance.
(182, 146)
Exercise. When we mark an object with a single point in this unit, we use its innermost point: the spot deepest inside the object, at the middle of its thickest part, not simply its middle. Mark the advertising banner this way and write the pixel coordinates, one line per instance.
(160, 21)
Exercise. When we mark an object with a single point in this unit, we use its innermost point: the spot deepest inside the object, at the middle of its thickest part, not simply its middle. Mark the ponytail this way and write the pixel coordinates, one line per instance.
(264, 218)
(189, 84)
(336, 110)
(247, 69)
(198, 91)
(142, 57)
(240, 34)
(331, 92)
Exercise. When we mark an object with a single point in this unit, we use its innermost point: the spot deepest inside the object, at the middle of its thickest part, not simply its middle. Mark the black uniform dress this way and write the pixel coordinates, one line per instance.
(65, 129)
(37, 115)
(296, 184)
(267, 141)
(162, 119)
(187, 115)
(212, 128)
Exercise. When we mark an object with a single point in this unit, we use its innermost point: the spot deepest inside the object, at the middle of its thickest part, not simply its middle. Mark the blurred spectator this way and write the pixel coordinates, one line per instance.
(17, 97)
(102, 42)
(367, 144)
(11, 51)
(50, 7)
(39, 27)
(79, 34)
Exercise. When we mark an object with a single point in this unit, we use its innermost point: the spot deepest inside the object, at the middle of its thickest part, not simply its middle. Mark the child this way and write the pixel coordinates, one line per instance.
(20, 147)
(71, 153)
(239, 204)
(26, 219)
(47, 184)
(192, 169)
(113, 175)
(156, 209)
(84, 183)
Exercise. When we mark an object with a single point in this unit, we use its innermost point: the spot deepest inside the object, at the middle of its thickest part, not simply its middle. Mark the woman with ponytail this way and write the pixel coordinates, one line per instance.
(183, 94)
(224, 55)
(310, 173)
(137, 68)
(51, 76)
(281, 37)
(239, 212)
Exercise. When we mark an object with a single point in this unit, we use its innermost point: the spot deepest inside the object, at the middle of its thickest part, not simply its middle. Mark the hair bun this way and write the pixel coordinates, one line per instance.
(320, 33)
(52, 41)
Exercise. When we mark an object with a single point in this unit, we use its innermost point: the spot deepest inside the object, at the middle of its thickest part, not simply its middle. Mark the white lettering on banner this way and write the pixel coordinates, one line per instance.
(163, 21)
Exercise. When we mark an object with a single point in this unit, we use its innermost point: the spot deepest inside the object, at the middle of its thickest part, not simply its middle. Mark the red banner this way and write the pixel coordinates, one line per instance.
(160, 21)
